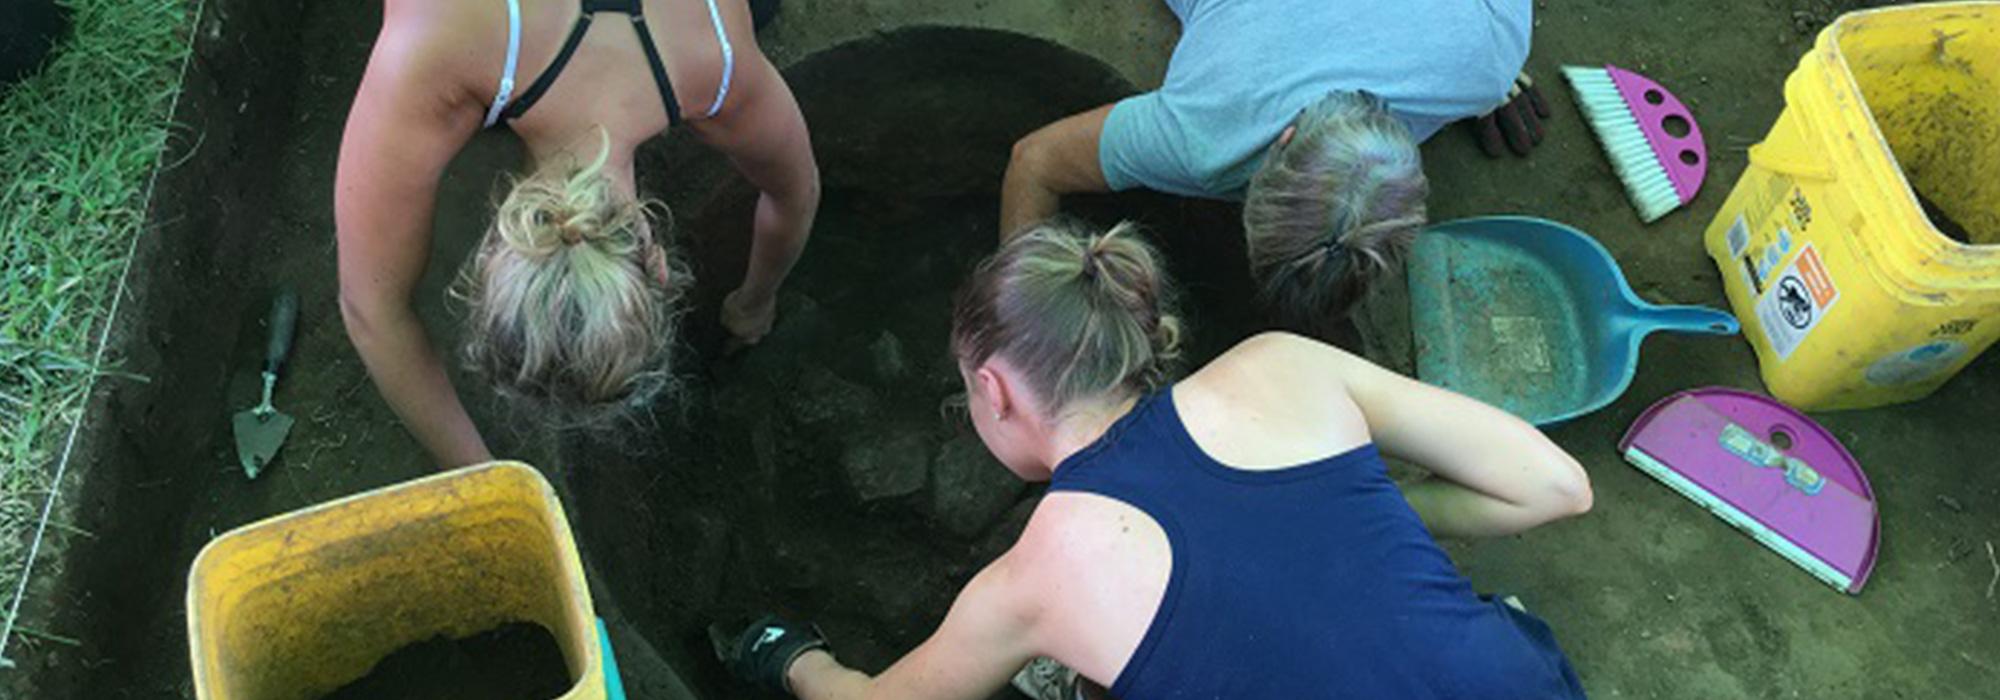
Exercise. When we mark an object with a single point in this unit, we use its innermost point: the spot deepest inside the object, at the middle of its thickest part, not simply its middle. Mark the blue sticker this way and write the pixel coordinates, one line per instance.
(1741, 443)
(1803, 477)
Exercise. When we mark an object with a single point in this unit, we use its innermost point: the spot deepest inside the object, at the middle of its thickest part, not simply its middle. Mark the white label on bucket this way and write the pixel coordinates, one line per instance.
(1795, 303)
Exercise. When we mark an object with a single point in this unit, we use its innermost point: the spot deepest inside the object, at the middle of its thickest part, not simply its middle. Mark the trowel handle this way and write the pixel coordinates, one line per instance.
(284, 319)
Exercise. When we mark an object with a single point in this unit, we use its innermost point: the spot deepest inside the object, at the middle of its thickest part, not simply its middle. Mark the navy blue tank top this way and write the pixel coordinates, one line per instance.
(1314, 581)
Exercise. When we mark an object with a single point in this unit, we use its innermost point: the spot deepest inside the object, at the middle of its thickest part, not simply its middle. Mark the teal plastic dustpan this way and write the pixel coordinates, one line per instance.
(1532, 316)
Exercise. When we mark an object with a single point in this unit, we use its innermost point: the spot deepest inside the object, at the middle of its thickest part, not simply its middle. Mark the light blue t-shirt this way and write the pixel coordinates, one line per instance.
(1245, 68)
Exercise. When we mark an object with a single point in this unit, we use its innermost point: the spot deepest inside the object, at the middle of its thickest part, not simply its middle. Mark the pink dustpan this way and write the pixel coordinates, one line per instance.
(1768, 470)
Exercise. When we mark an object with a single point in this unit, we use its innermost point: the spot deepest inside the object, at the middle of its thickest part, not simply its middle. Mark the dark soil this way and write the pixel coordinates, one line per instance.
(1942, 221)
(822, 474)
(515, 661)
(28, 30)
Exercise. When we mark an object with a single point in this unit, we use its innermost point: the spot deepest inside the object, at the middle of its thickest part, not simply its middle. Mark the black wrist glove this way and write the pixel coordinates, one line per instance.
(1515, 125)
(763, 652)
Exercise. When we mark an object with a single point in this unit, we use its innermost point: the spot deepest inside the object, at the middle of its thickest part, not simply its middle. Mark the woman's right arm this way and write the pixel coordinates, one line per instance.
(403, 130)
(1493, 473)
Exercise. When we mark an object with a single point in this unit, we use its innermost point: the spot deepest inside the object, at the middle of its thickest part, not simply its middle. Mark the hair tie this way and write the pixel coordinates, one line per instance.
(570, 235)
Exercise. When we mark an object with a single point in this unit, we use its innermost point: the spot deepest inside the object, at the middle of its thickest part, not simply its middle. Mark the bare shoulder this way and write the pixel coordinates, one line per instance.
(1272, 368)
(441, 44)
(1274, 400)
(1071, 532)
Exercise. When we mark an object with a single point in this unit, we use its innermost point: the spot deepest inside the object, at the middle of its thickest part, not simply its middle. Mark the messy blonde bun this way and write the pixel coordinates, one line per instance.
(567, 308)
(1081, 314)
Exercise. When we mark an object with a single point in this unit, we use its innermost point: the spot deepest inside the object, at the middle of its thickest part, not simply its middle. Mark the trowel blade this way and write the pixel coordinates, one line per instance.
(258, 438)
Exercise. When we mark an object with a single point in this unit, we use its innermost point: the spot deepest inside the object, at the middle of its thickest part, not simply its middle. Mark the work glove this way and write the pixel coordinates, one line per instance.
(763, 652)
(1516, 125)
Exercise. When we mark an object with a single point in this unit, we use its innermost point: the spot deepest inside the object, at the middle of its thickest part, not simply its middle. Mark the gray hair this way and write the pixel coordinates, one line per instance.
(1332, 209)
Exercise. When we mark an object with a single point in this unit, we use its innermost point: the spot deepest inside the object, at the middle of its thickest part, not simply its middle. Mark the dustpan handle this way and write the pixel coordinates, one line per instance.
(1694, 319)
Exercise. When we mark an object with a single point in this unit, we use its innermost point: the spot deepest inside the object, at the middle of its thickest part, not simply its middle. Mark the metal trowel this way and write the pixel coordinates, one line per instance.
(261, 430)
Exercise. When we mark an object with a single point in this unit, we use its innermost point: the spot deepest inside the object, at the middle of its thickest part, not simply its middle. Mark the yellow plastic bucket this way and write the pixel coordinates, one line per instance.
(294, 607)
(1850, 293)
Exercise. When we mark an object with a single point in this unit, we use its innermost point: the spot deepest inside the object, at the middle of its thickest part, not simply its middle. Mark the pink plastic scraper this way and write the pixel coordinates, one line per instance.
(1768, 470)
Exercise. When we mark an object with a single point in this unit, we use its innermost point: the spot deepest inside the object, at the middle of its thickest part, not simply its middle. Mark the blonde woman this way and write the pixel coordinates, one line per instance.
(1234, 534)
(571, 288)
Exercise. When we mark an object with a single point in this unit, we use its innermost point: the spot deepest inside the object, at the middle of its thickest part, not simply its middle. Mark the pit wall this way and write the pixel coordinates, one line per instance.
(170, 348)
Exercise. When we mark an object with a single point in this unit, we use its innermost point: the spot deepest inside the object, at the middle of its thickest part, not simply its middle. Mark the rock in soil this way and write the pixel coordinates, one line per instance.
(824, 398)
(969, 488)
(887, 464)
(887, 353)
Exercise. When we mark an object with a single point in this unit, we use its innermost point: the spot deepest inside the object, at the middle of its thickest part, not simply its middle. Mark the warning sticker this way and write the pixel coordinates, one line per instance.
(1797, 300)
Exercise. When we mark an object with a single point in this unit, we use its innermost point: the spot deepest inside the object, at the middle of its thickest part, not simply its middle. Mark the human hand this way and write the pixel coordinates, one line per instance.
(763, 652)
(747, 323)
(1516, 125)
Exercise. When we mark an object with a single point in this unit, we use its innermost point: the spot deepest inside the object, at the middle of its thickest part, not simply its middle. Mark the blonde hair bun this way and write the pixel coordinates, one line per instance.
(568, 311)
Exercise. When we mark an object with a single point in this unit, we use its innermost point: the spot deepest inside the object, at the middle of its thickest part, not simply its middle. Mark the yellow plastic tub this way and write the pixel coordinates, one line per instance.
(299, 605)
(1849, 292)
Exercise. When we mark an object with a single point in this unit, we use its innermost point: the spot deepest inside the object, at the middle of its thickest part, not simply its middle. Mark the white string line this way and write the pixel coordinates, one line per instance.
(103, 341)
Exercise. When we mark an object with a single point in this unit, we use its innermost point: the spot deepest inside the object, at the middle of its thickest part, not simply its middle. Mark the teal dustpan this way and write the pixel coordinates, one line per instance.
(1532, 316)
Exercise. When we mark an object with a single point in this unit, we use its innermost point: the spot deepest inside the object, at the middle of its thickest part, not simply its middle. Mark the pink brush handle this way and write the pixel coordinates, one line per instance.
(1684, 157)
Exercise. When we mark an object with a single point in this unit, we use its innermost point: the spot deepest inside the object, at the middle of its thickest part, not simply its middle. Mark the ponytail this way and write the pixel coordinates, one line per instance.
(1081, 314)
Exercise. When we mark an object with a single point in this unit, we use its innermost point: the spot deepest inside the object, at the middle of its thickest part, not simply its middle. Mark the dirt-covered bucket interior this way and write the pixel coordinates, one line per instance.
(823, 473)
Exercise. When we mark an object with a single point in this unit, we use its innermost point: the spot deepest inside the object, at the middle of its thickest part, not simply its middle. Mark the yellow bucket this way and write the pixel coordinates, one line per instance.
(1850, 293)
(294, 607)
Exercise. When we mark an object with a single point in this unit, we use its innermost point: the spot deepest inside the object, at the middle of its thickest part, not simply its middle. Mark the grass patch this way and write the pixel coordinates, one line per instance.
(78, 144)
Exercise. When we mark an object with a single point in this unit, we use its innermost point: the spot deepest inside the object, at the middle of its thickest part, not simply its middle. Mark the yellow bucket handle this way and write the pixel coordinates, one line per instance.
(1761, 156)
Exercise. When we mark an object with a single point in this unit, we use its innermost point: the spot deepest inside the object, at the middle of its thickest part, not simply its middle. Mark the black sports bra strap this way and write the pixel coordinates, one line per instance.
(660, 80)
(541, 85)
(635, 9)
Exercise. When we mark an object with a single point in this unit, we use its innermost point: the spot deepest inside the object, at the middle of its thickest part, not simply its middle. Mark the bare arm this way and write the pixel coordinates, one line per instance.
(400, 135)
(1055, 160)
(983, 641)
(1494, 473)
(763, 133)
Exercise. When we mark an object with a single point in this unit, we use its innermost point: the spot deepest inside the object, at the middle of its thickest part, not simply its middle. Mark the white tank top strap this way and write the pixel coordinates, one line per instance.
(728, 59)
(506, 91)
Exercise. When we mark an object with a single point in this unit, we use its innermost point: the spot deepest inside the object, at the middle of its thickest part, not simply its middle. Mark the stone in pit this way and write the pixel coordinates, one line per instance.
(822, 397)
(890, 363)
(887, 464)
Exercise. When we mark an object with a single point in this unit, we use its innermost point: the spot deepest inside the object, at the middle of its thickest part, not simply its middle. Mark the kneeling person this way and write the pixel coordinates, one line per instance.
(1232, 535)
(1308, 110)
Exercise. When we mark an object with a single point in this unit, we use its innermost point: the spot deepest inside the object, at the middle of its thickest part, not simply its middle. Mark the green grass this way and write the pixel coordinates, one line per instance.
(78, 144)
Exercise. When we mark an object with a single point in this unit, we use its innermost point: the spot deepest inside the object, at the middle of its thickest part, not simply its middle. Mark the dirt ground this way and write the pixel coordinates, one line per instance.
(822, 473)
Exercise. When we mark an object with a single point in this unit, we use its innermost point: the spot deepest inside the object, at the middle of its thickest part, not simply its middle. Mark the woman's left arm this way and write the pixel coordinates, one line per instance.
(762, 132)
